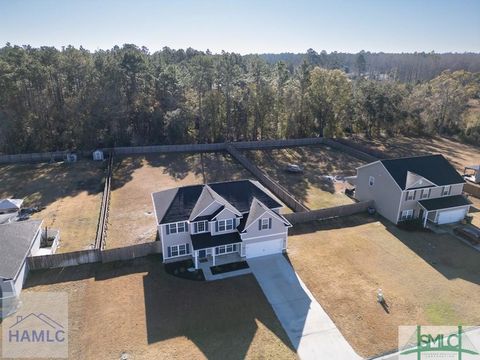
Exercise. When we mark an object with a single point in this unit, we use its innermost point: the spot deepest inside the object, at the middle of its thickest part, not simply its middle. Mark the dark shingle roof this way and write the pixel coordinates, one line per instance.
(177, 204)
(444, 202)
(16, 240)
(206, 240)
(434, 168)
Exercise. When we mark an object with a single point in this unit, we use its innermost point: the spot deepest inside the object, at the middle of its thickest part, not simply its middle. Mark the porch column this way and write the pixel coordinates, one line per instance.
(213, 256)
(425, 221)
(196, 260)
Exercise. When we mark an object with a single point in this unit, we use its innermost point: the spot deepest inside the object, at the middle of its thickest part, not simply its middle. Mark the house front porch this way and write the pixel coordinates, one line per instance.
(207, 263)
(217, 255)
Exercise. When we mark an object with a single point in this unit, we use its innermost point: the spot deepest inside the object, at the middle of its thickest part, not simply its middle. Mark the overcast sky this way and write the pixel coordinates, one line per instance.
(246, 26)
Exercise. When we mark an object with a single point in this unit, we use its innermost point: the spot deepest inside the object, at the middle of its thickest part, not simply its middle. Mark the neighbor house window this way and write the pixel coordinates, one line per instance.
(410, 195)
(178, 250)
(177, 228)
(201, 226)
(224, 225)
(446, 190)
(371, 181)
(407, 214)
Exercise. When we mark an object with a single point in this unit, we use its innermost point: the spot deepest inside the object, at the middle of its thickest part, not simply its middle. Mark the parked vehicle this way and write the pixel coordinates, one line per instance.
(293, 168)
(471, 234)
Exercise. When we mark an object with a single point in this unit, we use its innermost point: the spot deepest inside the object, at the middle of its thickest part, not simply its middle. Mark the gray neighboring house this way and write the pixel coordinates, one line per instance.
(204, 222)
(18, 240)
(425, 187)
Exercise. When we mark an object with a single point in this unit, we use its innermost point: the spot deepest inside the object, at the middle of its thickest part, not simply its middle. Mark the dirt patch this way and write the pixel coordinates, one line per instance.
(314, 187)
(137, 309)
(71, 194)
(131, 218)
(426, 278)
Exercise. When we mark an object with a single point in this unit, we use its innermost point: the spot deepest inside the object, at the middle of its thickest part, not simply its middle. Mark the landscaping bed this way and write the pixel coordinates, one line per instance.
(181, 270)
(220, 269)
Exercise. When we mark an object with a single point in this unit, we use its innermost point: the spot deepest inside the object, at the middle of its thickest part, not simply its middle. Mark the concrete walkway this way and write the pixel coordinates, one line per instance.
(310, 329)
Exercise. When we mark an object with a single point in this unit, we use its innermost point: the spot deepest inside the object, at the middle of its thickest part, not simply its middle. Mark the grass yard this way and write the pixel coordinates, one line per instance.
(136, 309)
(459, 154)
(311, 187)
(131, 219)
(70, 193)
(426, 278)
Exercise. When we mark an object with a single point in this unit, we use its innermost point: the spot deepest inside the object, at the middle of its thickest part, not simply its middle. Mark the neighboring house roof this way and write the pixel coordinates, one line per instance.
(206, 240)
(444, 202)
(473, 167)
(16, 240)
(10, 204)
(434, 168)
(177, 204)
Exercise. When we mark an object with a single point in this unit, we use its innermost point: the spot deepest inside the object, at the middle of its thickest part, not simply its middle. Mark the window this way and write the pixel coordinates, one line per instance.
(425, 193)
(172, 228)
(178, 250)
(265, 224)
(410, 195)
(177, 227)
(371, 181)
(225, 249)
(201, 226)
(407, 214)
(446, 190)
(224, 225)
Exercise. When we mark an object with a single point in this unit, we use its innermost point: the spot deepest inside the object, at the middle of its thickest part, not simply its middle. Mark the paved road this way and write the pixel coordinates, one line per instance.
(310, 329)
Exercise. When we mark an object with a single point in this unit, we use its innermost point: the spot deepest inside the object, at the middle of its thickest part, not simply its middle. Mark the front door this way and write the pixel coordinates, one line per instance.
(202, 254)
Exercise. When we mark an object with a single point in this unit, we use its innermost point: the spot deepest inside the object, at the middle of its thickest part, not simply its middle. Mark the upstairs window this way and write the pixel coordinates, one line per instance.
(225, 225)
(265, 224)
(425, 193)
(410, 195)
(200, 227)
(446, 190)
(177, 228)
(371, 181)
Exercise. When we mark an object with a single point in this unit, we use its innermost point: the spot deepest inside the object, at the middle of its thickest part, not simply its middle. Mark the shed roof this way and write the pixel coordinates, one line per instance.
(444, 202)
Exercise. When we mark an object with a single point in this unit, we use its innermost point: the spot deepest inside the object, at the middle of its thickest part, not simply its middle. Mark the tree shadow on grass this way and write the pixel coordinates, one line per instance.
(41, 184)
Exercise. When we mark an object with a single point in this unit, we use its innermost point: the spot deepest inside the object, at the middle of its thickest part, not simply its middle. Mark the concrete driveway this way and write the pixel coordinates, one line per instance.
(310, 329)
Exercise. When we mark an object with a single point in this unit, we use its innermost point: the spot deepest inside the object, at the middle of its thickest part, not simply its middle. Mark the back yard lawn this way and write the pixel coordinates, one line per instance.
(70, 193)
(135, 308)
(426, 278)
(313, 187)
(131, 219)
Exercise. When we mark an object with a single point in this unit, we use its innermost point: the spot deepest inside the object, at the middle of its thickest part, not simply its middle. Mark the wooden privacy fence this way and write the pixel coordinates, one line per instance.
(104, 208)
(328, 213)
(472, 189)
(93, 256)
(271, 185)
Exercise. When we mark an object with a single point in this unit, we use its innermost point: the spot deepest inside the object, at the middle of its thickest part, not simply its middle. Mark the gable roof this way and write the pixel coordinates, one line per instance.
(257, 209)
(16, 240)
(177, 204)
(207, 197)
(434, 168)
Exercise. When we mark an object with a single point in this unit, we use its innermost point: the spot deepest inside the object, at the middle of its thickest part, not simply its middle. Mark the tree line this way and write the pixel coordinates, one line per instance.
(76, 99)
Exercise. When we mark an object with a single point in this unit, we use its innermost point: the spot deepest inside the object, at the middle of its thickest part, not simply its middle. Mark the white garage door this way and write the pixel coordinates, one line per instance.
(263, 248)
(450, 216)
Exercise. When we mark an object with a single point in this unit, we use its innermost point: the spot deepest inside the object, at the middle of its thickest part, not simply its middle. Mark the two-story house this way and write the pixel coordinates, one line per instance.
(425, 187)
(203, 222)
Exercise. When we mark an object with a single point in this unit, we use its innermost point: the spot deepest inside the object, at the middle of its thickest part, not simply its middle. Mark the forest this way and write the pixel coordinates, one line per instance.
(73, 98)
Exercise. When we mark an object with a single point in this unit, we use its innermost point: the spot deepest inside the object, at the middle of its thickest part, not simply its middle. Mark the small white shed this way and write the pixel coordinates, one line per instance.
(472, 173)
(10, 205)
(98, 155)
